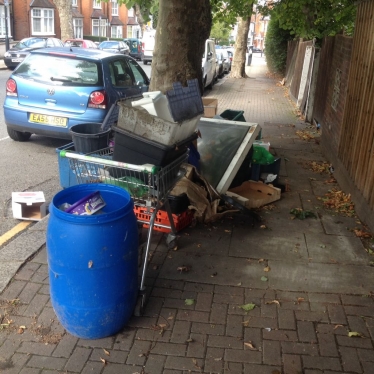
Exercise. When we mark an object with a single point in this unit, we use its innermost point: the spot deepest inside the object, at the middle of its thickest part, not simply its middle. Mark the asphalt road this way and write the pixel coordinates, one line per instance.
(27, 166)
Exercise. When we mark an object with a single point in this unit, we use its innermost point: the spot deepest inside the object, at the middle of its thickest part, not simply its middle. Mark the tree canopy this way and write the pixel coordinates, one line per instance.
(312, 19)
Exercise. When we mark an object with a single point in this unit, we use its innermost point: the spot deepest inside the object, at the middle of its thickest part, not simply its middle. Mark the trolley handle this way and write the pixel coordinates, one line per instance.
(149, 168)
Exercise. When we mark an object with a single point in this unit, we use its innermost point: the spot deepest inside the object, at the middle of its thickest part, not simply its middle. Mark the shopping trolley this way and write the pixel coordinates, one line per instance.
(148, 185)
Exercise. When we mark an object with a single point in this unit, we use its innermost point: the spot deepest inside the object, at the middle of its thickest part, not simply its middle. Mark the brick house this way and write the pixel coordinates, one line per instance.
(90, 17)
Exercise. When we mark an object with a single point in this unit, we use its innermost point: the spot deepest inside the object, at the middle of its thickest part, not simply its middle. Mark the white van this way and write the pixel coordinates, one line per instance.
(209, 63)
(148, 45)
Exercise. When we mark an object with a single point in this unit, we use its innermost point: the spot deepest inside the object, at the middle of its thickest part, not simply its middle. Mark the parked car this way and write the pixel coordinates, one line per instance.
(114, 46)
(256, 50)
(219, 67)
(15, 55)
(226, 60)
(209, 62)
(82, 43)
(135, 46)
(54, 89)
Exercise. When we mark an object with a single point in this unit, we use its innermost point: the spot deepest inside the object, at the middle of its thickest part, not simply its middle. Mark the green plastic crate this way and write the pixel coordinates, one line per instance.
(233, 115)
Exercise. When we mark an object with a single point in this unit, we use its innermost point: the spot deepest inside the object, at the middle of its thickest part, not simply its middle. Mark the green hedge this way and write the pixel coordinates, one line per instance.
(276, 42)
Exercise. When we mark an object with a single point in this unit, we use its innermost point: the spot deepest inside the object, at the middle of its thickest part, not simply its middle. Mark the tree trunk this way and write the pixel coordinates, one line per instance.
(183, 27)
(140, 18)
(238, 61)
(65, 12)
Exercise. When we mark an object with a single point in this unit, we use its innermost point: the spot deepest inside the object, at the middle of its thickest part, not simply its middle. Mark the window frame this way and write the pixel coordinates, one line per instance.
(96, 4)
(42, 18)
(115, 8)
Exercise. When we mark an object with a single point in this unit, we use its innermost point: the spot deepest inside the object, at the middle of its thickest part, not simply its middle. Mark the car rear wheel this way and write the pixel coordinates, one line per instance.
(18, 136)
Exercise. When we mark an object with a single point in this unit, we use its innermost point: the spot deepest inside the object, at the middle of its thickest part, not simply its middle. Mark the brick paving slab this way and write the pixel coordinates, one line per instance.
(318, 286)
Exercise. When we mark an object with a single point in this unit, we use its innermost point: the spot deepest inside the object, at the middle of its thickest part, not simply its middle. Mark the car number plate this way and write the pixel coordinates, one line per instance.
(48, 120)
(17, 59)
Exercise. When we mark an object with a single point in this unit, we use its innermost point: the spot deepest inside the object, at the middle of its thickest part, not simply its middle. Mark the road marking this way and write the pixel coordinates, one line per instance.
(14, 231)
(7, 137)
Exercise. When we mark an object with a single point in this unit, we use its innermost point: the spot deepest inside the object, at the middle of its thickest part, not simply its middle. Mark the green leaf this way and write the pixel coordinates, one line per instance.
(264, 279)
(354, 334)
(247, 307)
(189, 302)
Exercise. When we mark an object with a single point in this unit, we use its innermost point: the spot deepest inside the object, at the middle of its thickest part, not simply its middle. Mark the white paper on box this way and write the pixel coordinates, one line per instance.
(30, 206)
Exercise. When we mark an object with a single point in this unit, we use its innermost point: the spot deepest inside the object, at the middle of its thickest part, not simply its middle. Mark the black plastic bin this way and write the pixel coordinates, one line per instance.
(134, 149)
(89, 137)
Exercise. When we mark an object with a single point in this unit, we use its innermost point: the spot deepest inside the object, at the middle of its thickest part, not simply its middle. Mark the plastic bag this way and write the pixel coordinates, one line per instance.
(261, 156)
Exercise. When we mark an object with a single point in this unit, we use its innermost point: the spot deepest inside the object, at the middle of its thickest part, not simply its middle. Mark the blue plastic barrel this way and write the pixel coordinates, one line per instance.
(93, 262)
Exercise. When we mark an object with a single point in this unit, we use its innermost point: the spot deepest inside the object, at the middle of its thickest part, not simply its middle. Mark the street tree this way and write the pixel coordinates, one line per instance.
(231, 12)
(65, 12)
(313, 19)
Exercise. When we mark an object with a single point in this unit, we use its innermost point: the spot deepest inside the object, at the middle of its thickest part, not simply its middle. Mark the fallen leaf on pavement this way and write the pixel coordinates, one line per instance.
(355, 334)
(250, 346)
(336, 326)
(267, 269)
(247, 307)
(182, 269)
(246, 323)
(106, 352)
(189, 302)
(300, 299)
(103, 361)
(264, 279)
(273, 302)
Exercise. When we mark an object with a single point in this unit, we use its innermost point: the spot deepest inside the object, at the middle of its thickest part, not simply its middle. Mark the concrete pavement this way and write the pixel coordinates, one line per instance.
(310, 280)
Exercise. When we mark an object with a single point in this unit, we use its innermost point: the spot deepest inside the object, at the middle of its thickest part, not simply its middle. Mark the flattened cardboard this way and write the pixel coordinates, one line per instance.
(29, 206)
(253, 194)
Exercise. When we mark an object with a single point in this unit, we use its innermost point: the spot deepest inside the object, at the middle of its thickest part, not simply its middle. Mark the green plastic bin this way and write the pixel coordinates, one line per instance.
(237, 115)
(233, 115)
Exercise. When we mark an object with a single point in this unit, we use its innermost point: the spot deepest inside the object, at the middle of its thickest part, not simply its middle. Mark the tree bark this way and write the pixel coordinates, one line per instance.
(238, 61)
(183, 27)
(65, 12)
(140, 18)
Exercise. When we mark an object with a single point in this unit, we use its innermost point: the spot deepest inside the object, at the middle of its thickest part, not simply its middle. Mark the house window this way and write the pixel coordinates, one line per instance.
(97, 4)
(129, 31)
(74, 2)
(2, 22)
(99, 27)
(116, 32)
(114, 8)
(130, 12)
(42, 21)
(78, 28)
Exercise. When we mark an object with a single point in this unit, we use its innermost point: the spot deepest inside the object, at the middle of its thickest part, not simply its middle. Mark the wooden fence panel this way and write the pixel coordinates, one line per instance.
(356, 148)
(324, 72)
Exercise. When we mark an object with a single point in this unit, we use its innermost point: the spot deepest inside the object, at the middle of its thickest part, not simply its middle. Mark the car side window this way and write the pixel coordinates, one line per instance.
(121, 74)
(50, 43)
(140, 77)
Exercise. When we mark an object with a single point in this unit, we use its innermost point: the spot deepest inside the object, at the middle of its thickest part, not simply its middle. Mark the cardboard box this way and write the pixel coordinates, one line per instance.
(210, 107)
(253, 194)
(29, 206)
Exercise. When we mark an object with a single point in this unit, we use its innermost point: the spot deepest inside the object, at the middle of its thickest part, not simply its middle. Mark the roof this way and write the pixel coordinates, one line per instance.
(132, 21)
(95, 54)
(97, 13)
(116, 21)
(42, 4)
(76, 14)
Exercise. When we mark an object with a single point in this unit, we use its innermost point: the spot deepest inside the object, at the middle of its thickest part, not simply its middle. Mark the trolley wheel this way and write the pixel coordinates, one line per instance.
(171, 241)
(140, 304)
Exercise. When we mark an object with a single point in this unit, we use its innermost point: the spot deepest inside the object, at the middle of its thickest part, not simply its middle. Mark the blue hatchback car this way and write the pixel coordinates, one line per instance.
(54, 89)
